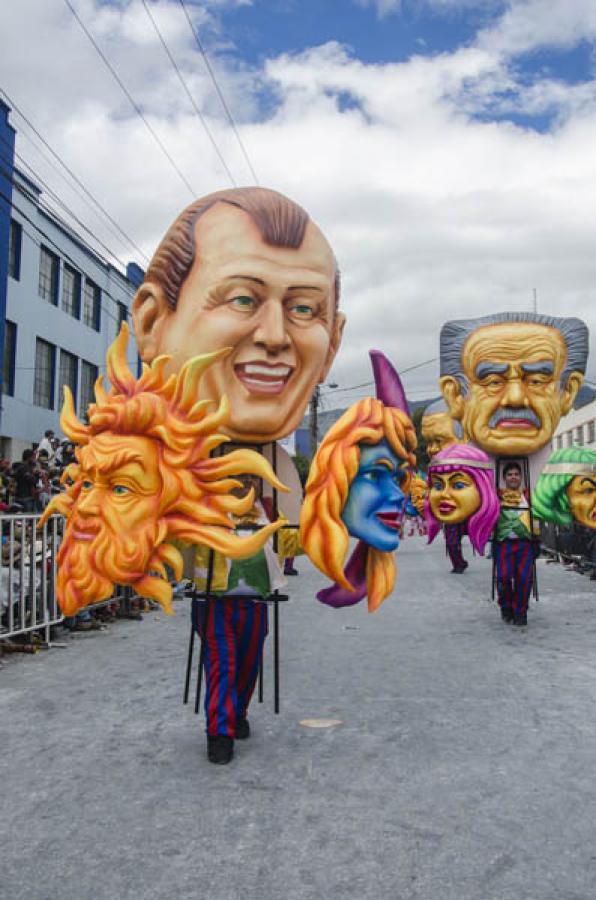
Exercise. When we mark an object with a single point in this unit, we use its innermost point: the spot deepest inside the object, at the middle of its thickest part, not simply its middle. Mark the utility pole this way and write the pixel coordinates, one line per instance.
(313, 420)
(535, 300)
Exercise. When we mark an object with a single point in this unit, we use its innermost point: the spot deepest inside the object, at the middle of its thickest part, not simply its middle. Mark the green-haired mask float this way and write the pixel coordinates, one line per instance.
(566, 489)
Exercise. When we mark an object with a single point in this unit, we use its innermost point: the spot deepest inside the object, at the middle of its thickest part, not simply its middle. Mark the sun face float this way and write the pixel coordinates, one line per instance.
(144, 478)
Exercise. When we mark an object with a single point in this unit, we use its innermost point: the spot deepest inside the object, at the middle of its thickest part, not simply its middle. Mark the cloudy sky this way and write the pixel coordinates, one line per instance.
(445, 147)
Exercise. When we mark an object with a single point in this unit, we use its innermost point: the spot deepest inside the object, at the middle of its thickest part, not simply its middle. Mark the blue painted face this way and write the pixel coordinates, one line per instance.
(376, 501)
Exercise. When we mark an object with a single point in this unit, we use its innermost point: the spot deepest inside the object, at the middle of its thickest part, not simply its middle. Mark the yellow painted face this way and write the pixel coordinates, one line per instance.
(120, 489)
(515, 398)
(438, 432)
(453, 497)
(582, 500)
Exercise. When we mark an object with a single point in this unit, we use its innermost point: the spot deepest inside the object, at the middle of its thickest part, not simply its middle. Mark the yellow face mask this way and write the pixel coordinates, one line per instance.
(581, 493)
(515, 398)
(438, 432)
(453, 497)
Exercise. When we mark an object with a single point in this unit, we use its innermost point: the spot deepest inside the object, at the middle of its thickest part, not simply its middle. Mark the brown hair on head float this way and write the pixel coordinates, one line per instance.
(281, 223)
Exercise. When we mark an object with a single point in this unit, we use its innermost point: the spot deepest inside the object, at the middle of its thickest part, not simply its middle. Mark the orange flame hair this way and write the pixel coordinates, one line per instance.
(322, 533)
(195, 505)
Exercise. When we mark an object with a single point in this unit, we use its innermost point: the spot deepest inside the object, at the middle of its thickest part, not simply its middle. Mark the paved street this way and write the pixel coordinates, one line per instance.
(463, 770)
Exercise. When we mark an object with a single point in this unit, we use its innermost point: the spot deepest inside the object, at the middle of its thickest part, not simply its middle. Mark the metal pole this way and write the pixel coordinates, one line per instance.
(313, 419)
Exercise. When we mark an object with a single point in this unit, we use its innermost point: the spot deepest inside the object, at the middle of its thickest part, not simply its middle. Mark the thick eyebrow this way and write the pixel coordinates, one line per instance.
(588, 480)
(122, 459)
(544, 367)
(491, 368)
(258, 281)
(306, 287)
(386, 463)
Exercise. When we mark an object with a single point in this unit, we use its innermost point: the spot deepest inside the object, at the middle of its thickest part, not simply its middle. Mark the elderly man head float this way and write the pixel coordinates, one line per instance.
(246, 269)
(143, 477)
(508, 378)
(358, 485)
(566, 489)
(438, 429)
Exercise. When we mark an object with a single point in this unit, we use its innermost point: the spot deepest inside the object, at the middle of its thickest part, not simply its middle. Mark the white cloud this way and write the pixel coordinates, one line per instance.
(531, 24)
(433, 214)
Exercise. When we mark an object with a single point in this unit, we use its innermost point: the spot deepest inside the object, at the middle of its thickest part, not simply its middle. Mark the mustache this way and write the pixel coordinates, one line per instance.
(510, 412)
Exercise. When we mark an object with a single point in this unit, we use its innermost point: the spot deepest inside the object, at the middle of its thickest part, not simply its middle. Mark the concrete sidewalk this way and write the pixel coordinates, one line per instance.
(463, 769)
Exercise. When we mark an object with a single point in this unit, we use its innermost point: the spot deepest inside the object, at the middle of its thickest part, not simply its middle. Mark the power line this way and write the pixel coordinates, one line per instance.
(188, 94)
(71, 173)
(45, 207)
(219, 92)
(133, 102)
(60, 250)
(355, 387)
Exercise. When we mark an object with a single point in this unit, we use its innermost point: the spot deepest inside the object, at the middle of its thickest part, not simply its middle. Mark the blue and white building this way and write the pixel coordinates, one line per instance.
(61, 306)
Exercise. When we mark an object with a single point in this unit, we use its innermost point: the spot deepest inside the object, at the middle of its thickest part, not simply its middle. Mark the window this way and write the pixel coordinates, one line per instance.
(68, 375)
(14, 250)
(71, 292)
(48, 276)
(91, 301)
(10, 352)
(569, 438)
(122, 314)
(560, 442)
(89, 375)
(43, 383)
(579, 435)
(591, 432)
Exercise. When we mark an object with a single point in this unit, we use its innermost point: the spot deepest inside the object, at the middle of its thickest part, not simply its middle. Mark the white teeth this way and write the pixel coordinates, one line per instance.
(271, 371)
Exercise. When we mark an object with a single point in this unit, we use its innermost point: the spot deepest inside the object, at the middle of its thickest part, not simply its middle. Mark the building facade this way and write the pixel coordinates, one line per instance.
(577, 429)
(61, 306)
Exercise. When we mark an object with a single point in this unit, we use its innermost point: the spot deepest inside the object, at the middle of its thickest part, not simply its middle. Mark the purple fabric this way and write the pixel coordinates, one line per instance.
(388, 383)
(355, 572)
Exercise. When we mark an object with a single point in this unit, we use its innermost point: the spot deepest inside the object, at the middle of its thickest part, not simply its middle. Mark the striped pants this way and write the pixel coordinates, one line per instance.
(514, 561)
(453, 536)
(233, 642)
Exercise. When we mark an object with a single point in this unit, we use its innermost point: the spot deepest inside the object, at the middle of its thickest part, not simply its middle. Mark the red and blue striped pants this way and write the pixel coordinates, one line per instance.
(514, 561)
(233, 644)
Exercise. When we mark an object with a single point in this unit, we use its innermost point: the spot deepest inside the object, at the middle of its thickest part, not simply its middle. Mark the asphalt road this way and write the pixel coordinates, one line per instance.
(463, 768)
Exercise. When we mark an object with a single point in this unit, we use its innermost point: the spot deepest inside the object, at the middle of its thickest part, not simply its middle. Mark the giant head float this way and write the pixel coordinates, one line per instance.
(357, 487)
(566, 489)
(508, 378)
(438, 429)
(246, 269)
(144, 477)
(462, 489)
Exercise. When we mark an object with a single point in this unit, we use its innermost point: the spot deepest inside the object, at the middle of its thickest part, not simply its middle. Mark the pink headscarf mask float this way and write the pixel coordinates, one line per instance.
(477, 465)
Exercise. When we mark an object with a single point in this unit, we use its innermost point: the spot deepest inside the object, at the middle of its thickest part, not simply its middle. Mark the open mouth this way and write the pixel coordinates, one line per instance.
(79, 534)
(445, 507)
(263, 378)
(390, 519)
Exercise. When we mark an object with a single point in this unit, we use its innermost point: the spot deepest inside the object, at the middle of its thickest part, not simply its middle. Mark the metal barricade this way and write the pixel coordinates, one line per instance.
(28, 574)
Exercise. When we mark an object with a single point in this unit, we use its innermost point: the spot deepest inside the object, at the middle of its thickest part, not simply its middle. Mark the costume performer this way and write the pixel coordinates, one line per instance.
(514, 548)
(462, 492)
(566, 489)
(358, 485)
(439, 430)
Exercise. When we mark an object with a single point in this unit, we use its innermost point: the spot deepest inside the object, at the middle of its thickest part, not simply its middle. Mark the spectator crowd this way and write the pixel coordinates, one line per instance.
(28, 484)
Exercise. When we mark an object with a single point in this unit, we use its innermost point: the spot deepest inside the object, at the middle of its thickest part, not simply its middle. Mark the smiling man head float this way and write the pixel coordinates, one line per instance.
(246, 269)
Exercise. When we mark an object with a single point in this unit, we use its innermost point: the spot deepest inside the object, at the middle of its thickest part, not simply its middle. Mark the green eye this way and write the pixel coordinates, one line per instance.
(120, 490)
(302, 311)
(87, 485)
(243, 302)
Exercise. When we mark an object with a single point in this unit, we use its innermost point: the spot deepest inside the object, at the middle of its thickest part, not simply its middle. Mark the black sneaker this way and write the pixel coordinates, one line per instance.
(291, 572)
(242, 729)
(521, 621)
(506, 614)
(220, 749)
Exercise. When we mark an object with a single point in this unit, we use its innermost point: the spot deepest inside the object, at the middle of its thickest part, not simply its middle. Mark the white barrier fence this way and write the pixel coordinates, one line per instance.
(28, 574)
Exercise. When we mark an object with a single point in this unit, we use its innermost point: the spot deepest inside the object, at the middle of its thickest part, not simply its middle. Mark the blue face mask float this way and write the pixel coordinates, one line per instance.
(376, 504)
